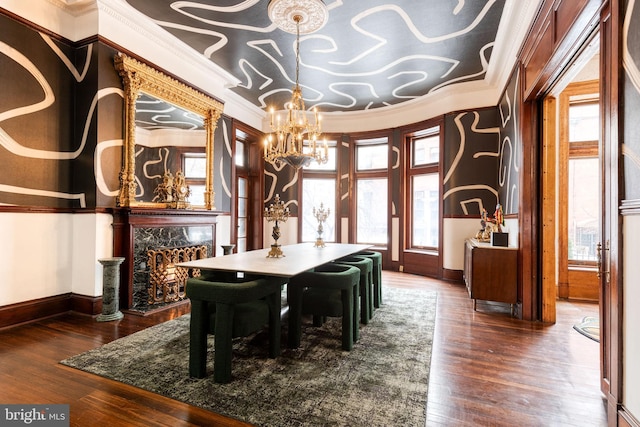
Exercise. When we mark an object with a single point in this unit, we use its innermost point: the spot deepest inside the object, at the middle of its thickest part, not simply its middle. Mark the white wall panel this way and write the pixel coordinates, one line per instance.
(631, 320)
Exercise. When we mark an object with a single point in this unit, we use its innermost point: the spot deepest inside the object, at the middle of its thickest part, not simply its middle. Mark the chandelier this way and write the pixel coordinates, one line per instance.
(286, 143)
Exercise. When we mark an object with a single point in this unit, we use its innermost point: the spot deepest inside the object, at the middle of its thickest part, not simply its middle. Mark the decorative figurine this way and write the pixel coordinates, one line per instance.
(498, 217)
(164, 190)
(173, 191)
(490, 225)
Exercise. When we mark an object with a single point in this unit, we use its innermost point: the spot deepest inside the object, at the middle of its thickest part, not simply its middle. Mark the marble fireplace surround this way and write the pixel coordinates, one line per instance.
(136, 230)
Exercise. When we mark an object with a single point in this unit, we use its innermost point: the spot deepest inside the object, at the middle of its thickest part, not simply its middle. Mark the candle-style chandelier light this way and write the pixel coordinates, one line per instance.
(295, 140)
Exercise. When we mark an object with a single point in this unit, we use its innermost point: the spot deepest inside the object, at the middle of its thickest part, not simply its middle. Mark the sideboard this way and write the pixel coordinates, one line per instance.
(491, 272)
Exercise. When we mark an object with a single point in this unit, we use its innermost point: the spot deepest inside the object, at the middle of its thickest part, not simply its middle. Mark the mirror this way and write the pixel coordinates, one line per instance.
(169, 127)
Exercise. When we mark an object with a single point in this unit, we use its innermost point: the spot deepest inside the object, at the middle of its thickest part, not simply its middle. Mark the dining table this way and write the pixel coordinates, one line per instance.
(297, 258)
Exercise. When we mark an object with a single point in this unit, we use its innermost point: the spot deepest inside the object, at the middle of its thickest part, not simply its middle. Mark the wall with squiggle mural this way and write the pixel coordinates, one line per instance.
(471, 155)
(510, 147)
(61, 126)
(46, 136)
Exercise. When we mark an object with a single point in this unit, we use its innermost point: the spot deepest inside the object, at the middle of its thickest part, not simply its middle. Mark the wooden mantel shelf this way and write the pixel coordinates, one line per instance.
(141, 211)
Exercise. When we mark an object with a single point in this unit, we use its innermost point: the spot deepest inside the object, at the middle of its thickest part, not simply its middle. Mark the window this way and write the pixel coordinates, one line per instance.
(425, 150)
(424, 197)
(242, 214)
(372, 211)
(371, 188)
(584, 122)
(372, 154)
(318, 193)
(319, 190)
(243, 203)
(331, 160)
(583, 208)
(423, 178)
(194, 166)
(583, 181)
(240, 154)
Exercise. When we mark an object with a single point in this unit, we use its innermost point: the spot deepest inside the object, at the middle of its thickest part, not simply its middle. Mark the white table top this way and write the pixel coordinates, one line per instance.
(298, 258)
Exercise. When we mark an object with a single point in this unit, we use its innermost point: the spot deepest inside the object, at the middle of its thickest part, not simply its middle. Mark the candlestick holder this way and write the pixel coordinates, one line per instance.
(276, 212)
(321, 215)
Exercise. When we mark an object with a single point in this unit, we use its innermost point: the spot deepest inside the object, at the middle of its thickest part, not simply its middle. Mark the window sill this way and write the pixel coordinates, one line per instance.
(430, 252)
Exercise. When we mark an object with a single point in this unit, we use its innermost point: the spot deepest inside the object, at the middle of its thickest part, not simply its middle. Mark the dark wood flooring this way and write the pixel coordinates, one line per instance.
(487, 369)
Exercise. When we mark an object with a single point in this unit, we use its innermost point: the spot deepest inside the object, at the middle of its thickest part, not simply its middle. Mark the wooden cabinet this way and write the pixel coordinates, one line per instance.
(490, 272)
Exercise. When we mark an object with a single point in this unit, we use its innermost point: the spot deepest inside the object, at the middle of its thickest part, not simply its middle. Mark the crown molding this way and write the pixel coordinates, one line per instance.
(75, 7)
(131, 30)
(72, 19)
(514, 25)
(461, 96)
(134, 23)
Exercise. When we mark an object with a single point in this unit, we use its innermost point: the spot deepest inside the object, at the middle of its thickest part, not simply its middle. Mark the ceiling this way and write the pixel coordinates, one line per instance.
(155, 114)
(370, 54)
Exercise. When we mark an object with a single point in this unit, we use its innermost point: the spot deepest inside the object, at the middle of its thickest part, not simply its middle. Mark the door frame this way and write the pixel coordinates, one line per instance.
(554, 158)
(254, 172)
(535, 297)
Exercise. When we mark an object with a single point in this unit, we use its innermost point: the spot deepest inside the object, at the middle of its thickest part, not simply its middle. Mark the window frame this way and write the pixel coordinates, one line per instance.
(574, 94)
(411, 171)
(582, 149)
(377, 173)
(193, 153)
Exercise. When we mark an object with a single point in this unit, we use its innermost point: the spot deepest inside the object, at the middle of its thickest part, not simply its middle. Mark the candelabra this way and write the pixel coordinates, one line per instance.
(321, 215)
(276, 212)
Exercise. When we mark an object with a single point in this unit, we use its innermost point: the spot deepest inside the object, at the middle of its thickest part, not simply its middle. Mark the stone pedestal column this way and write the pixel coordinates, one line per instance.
(110, 289)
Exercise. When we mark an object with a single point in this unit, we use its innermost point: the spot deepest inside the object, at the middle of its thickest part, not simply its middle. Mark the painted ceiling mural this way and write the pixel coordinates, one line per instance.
(153, 114)
(370, 53)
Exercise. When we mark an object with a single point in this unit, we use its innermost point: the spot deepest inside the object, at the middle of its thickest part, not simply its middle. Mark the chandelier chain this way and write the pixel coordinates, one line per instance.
(297, 19)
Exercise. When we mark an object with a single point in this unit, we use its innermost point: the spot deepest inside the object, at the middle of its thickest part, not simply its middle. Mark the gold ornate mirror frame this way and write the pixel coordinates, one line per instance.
(138, 77)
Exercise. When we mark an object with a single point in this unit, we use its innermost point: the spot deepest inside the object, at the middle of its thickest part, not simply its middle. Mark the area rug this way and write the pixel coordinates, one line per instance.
(589, 327)
(381, 382)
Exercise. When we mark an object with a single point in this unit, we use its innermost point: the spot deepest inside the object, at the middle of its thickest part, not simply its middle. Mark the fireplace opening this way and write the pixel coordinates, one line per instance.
(167, 282)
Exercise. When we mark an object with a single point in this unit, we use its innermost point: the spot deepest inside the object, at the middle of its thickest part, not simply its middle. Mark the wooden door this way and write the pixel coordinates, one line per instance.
(610, 279)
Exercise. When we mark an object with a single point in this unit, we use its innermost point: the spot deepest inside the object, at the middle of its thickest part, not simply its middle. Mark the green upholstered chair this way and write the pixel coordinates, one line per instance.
(330, 290)
(365, 265)
(376, 257)
(228, 309)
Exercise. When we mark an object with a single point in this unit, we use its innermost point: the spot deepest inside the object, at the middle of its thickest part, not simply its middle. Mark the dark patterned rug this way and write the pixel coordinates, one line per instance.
(381, 382)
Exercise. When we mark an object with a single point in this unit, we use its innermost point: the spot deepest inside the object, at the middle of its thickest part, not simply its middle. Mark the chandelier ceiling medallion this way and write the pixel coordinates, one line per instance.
(286, 143)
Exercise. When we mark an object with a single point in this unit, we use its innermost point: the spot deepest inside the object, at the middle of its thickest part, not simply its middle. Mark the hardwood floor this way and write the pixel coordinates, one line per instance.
(487, 369)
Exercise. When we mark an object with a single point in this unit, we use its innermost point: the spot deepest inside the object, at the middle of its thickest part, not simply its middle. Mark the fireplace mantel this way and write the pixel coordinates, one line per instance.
(139, 229)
